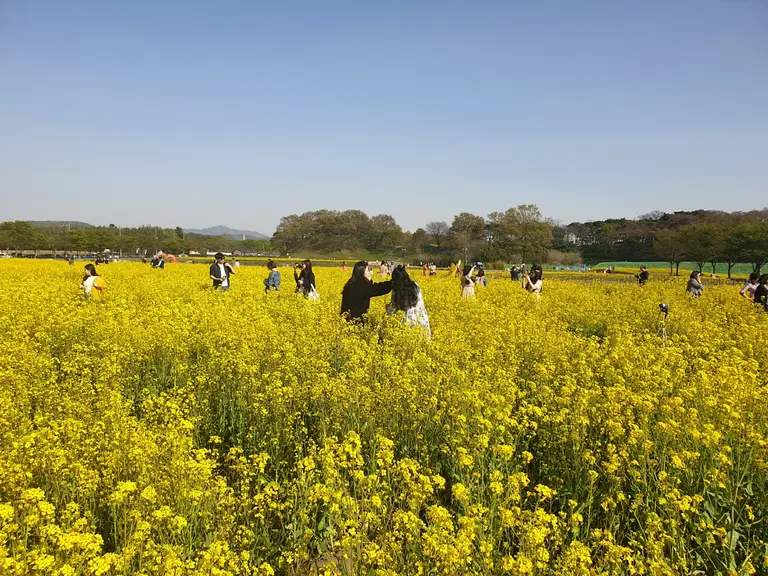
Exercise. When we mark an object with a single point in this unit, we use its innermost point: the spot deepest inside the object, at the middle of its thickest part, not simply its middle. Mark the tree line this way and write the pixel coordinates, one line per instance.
(705, 237)
(519, 234)
(143, 240)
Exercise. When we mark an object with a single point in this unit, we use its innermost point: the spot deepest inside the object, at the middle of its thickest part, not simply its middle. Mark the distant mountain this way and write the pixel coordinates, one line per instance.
(55, 223)
(227, 233)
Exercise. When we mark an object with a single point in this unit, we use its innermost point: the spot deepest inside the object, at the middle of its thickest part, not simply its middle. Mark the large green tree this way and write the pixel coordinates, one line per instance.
(521, 232)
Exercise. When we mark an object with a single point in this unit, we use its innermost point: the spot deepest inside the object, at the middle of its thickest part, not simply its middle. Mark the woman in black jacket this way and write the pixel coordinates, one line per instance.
(761, 292)
(358, 291)
(305, 280)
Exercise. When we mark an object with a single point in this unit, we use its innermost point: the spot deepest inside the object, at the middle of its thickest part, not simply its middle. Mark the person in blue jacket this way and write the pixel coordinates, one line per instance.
(273, 280)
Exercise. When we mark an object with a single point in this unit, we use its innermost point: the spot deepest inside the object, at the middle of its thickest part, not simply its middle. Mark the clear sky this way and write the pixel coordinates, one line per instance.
(236, 112)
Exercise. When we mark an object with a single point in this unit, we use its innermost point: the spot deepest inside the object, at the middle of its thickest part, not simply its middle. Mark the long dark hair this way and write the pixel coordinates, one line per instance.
(405, 292)
(91, 271)
(358, 275)
(467, 270)
(754, 277)
(307, 266)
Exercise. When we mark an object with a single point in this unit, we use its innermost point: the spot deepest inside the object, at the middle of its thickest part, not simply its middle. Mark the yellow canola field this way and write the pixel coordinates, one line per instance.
(171, 430)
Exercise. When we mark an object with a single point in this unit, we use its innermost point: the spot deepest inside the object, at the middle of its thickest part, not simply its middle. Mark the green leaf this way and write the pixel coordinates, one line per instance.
(733, 539)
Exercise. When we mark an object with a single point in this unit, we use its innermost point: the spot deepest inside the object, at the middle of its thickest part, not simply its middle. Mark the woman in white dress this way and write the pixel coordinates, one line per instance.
(467, 283)
(406, 297)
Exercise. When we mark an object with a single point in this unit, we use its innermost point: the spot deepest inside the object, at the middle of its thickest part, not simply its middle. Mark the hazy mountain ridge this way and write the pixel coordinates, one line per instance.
(53, 223)
(227, 232)
(219, 230)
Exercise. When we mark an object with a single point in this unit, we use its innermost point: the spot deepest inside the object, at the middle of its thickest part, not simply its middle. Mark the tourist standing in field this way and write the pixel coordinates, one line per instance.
(344, 266)
(305, 280)
(761, 292)
(695, 287)
(481, 279)
(406, 297)
(273, 280)
(467, 283)
(533, 282)
(358, 291)
(515, 273)
(220, 272)
(642, 278)
(749, 288)
(92, 285)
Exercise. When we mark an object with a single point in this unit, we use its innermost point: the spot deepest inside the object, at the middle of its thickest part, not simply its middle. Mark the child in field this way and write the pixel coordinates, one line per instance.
(406, 297)
(481, 279)
(273, 280)
(93, 285)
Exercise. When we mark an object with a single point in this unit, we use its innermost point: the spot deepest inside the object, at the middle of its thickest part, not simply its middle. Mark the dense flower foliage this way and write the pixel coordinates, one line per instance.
(170, 429)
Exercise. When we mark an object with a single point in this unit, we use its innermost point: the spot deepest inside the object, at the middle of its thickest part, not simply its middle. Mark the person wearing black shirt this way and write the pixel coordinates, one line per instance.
(305, 280)
(642, 278)
(761, 292)
(358, 291)
(220, 272)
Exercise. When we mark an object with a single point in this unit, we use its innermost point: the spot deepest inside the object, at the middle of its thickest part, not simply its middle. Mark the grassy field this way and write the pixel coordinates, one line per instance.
(739, 270)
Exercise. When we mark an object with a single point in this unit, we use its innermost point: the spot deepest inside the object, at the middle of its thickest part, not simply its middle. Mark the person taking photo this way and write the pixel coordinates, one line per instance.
(358, 291)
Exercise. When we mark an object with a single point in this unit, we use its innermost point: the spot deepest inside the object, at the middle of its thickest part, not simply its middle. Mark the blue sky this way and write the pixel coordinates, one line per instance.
(197, 113)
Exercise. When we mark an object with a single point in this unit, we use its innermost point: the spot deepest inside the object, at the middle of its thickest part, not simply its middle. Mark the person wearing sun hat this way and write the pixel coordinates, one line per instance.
(220, 272)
